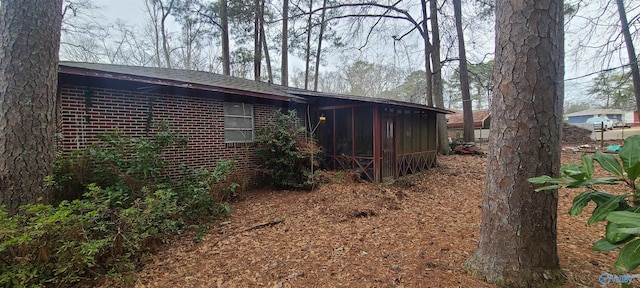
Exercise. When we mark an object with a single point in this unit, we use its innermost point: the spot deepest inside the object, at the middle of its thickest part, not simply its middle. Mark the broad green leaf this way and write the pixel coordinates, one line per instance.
(615, 234)
(547, 179)
(549, 187)
(633, 172)
(630, 156)
(573, 171)
(579, 202)
(602, 210)
(595, 181)
(629, 257)
(609, 163)
(627, 218)
(604, 245)
(587, 165)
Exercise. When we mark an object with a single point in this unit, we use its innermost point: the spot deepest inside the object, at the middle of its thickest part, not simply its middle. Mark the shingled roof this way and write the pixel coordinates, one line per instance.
(216, 82)
(178, 78)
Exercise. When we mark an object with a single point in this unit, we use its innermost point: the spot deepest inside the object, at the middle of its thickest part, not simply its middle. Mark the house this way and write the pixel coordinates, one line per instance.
(481, 122)
(616, 115)
(219, 114)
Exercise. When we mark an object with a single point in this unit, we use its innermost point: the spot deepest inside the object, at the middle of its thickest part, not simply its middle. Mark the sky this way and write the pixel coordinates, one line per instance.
(479, 43)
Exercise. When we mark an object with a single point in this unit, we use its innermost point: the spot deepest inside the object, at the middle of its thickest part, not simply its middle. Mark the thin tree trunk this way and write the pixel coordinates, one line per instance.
(517, 246)
(633, 60)
(308, 51)
(285, 44)
(427, 54)
(153, 13)
(318, 52)
(257, 45)
(163, 30)
(267, 59)
(438, 97)
(224, 19)
(29, 46)
(467, 113)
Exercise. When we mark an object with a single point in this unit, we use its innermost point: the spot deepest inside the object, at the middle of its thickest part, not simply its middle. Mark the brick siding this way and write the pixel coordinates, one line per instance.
(86, 112)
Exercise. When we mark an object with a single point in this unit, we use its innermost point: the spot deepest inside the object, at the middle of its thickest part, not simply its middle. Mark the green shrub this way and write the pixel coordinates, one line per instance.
(284, 152)
(621, 212)
(123, 209)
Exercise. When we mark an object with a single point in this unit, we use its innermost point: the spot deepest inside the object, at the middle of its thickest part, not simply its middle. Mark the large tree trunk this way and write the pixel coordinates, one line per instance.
(633, 60)
(318, 52)
(467, 113)
(438, 97)
(285, 44)
(518, 233)
(224, 22)
(427, 54)
(29, 45)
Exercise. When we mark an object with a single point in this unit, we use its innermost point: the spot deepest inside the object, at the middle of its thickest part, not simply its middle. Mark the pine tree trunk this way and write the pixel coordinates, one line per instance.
(438, 97)
(633, 60)
(285, 44)
(257, 42)
(318, 52)
(467, 113)
(308, 48)
(517, 246)
(427, 54)
(265, 47)
(29, 45)
(224, 19)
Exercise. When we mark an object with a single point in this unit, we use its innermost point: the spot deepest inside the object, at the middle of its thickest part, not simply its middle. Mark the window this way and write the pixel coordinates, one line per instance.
(238, 123)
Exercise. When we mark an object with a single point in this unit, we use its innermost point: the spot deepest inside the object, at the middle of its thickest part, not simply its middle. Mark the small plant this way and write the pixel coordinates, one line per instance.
(621, 212)
(284, 151)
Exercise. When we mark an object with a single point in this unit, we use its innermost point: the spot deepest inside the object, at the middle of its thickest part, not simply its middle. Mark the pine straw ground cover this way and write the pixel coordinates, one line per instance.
(414, 233)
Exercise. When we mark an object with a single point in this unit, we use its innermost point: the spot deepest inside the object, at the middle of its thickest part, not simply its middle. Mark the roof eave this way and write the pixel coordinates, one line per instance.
(174, 83)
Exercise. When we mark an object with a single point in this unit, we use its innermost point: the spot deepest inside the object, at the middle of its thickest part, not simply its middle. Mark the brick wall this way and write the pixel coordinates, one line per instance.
(87, 112)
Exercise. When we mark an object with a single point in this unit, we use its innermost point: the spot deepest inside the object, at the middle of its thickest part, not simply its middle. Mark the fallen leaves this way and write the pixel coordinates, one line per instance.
(363, 235)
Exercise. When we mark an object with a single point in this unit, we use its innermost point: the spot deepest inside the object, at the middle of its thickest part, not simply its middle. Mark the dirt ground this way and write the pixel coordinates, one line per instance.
(414, 233)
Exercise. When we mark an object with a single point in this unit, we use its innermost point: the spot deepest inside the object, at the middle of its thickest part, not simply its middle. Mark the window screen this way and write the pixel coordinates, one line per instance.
(238, 123)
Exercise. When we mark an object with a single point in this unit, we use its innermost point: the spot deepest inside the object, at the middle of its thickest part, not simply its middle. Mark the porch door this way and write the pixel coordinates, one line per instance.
(388, 147)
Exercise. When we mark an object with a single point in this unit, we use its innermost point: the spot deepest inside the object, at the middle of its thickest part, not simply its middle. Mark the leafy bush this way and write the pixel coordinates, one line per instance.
(622, 212)
(125, 209)
(285, 153)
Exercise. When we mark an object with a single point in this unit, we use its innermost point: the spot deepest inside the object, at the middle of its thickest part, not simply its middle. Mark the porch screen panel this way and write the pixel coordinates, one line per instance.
(408, 134)
(344, 141)
(424, 132)
(417, 132)
(324, 133)
(363, 131)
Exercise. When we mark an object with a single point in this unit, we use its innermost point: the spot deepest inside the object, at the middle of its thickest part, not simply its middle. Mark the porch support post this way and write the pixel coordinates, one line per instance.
(376, 144)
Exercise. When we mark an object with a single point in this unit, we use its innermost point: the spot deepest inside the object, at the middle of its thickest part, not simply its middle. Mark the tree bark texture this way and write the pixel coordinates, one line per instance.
(633, 60)
(224, 19)
(29, 45)
(517, 245)
(467, 112)
(265, 47)
(165, 11)
(427, 54)
(257, 45)
(285, 44)
(438, 97)
(308, 48)
(319, 51)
